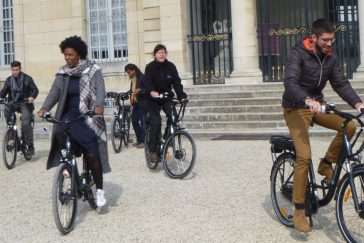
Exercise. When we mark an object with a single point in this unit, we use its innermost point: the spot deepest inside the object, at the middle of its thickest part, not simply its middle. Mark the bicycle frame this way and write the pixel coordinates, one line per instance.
(347, 159)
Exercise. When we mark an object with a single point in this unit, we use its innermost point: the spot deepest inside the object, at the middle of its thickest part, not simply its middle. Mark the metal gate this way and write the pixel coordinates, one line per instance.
(282, 23)
(210, 40)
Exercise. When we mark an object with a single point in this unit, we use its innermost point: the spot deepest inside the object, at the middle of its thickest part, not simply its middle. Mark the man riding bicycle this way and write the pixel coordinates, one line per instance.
(160, 76)
(18, 87)
(311, 63)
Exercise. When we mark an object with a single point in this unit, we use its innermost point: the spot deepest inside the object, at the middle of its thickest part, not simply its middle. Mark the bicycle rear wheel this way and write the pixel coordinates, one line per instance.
(179, 164)
(350, 222)
(116, 137)
(9, 148)
(64, 199)
(282, 188)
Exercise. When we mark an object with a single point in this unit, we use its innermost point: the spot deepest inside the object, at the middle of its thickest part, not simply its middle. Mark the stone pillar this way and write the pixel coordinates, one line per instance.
(245, 44)
(173, 23)
(359, 74)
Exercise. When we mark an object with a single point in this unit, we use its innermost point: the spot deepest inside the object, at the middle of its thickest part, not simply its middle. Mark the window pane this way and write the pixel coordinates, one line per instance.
(102, 4)
(107, 28)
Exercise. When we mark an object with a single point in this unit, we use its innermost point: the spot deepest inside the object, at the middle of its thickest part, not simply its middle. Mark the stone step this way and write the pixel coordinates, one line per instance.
(251, 94)
(251, 87)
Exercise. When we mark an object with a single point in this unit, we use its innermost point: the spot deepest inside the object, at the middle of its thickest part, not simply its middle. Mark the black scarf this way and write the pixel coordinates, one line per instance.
(17, 87)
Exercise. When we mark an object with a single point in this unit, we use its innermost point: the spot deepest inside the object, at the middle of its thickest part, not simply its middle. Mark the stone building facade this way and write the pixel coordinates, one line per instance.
(122, 31)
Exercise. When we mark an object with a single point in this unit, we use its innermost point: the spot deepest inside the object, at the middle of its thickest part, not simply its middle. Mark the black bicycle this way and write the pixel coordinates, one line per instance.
(12, 142)
(120, 127)
(347, 191)
(68, 184)
(178, 152)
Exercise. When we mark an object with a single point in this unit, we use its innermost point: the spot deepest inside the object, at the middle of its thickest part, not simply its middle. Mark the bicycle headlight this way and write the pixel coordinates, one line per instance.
(64, 153)
(14, 127)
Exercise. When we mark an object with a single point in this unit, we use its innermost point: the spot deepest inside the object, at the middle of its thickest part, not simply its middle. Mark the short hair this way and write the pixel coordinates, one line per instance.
(15, 64)
(321, 26)
(159, 47)
(76, 43)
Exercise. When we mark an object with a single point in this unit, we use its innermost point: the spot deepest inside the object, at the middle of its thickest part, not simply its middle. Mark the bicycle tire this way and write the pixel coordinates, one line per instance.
(64, 198)
(282, 198)
(149, 163)
(344, 198)
(127, 128)
(176, 164)
(10, 146)
(116, 138)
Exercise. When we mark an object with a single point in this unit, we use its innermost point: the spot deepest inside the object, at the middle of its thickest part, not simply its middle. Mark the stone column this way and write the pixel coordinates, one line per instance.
(245, 43)
(359, 74)
(173, 22)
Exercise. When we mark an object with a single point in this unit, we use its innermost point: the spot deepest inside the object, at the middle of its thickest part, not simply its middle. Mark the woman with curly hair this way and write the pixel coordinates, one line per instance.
(78, 87)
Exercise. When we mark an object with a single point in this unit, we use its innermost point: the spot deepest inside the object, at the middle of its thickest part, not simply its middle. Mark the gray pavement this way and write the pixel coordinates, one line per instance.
(225, 199)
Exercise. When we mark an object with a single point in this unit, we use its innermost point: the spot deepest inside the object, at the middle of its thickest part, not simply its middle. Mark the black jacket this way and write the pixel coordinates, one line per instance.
(161, 77)
(29, 89)
(306, 75)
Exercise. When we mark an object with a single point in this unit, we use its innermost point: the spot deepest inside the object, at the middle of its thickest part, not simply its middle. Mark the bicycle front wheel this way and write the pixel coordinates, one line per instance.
(9, 148)
(282, 187)
(64, 199)
(116, 137)
(179, 155)
(351, 223)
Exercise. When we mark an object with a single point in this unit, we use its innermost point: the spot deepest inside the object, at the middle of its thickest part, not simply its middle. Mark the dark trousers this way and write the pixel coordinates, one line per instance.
(26, 120)
(155, 122)
(137, 121)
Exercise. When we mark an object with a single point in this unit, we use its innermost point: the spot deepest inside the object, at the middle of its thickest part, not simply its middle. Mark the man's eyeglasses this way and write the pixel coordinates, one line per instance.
(327, 40)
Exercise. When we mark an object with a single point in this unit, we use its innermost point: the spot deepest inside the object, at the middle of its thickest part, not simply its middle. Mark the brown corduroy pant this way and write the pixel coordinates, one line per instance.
(298, 121)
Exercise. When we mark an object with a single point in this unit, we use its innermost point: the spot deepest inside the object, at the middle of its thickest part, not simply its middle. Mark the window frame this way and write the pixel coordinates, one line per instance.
(10, 31)
(110, 34)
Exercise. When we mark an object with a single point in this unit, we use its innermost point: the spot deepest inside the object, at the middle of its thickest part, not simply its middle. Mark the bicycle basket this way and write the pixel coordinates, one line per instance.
(281, 143)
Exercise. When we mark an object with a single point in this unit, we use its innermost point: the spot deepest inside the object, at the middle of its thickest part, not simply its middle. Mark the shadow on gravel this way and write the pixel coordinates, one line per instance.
(324, 220)
(112, 193)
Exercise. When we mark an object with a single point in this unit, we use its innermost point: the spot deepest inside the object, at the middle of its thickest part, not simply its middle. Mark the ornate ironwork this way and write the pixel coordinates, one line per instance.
(302, 30)
(208, 37)
(288, 31)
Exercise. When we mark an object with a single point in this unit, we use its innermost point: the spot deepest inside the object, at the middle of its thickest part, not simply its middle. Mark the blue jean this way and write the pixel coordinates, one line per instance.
(137, 121)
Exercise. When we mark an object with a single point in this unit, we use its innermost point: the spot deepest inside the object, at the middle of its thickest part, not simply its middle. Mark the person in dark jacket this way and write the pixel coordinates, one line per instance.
(137, 101)
(21, 92)
(160, 76)
(311, 63)
(78, 87)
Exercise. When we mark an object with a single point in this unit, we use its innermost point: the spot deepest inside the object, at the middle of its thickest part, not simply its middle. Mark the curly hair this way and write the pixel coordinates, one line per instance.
(76, 43)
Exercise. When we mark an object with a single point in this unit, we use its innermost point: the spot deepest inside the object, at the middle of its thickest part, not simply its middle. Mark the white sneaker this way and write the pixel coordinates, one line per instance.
(100, 198)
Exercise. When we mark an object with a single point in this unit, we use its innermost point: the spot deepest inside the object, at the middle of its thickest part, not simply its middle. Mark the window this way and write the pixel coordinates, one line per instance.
(107, 29)
(7, 52)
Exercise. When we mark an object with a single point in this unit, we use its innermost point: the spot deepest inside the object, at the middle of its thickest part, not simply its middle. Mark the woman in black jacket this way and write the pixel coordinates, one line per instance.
(160, 76)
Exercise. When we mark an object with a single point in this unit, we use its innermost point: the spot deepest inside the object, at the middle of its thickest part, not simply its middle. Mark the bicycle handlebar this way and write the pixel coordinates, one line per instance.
(49, 118)
(24, 101)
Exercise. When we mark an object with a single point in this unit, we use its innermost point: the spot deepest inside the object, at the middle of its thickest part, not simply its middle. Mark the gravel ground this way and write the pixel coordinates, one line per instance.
(225, 199)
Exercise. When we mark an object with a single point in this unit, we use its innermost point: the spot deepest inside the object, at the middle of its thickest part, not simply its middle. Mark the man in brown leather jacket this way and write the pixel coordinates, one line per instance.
(310, 65)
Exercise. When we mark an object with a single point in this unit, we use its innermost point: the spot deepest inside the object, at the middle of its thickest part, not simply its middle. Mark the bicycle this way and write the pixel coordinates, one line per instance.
(68, 184)
(12, 142)
(178, 152)
(347, 191)
(120, 126)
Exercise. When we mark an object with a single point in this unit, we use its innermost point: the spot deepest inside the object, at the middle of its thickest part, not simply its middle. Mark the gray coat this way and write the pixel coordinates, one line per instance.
(58, 94)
